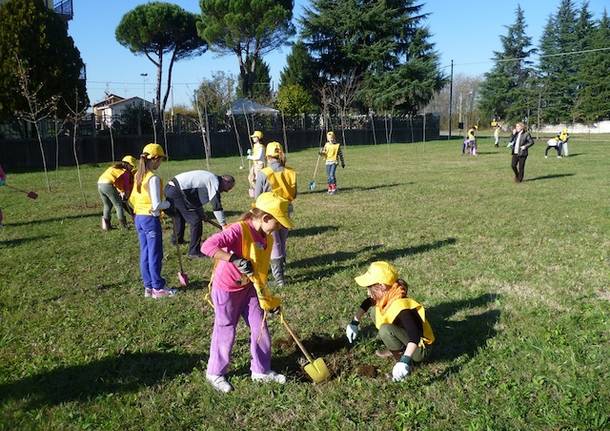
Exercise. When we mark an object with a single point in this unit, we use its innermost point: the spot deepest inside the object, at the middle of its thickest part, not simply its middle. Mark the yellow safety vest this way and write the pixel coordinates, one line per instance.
(255, 253)
(140, 201)
(110, 175)
(283, 182)
(331, 151)
(394, 310)
(494, 123)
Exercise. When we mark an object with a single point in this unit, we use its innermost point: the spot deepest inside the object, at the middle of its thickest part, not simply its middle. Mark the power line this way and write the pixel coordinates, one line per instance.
(584, 51)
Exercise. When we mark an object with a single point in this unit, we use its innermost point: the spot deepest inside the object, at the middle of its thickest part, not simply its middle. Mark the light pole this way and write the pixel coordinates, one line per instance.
(144, 75)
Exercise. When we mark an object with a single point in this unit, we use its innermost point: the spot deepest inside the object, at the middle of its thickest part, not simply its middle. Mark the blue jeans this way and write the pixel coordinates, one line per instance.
(151, 250)
(330, 173)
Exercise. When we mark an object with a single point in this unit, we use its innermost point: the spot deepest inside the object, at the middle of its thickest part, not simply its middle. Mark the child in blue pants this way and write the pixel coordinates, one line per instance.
(147, 201)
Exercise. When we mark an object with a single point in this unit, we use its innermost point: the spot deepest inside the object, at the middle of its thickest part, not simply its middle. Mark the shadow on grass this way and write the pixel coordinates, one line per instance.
(313, 230)
(549, 177)
(18, 241)
(360, 188)
(117, 374)
(464, 337)
(336, 258)
(54, 219)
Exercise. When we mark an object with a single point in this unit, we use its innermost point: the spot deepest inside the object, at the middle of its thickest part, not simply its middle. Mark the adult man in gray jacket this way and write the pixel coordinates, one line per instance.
(521, 141)
(187, 193)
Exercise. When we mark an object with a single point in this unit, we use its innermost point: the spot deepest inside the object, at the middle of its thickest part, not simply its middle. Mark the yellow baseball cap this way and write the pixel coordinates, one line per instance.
(257, 134)
(276, 206)
(378, 272)
(153, 151)
(131, 160)
(330, 135)
(274, 149)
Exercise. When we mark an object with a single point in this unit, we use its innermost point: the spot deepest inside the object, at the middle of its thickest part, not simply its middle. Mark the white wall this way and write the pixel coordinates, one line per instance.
(601, 127)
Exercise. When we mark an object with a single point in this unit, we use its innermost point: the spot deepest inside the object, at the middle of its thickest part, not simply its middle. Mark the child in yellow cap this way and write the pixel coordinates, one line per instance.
(239, 288)
(114, 187)
(281, 180)
(400, 320)
(332, 152)
(147, 201)
(257, 156)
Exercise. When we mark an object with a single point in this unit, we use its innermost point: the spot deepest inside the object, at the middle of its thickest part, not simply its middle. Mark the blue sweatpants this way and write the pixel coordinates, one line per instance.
(330, 173)
(151, 250)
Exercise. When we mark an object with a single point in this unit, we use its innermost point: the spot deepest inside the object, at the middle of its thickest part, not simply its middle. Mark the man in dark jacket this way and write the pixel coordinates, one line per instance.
(187, 193)
(521, 141)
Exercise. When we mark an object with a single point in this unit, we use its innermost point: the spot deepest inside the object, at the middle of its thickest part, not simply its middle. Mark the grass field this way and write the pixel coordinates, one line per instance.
(514, 278)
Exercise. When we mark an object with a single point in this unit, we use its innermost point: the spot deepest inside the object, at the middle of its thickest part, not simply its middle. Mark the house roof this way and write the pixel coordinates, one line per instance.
(105, 101)
(118, 102)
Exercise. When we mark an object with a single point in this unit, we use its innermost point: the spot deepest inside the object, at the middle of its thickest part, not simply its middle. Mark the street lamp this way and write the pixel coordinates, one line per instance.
(144, 75)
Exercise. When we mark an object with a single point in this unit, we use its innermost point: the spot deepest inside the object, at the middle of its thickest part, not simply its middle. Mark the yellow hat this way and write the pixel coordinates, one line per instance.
(257, 134)
(276, 206)
(131, 160)
(330, 135)
(274, 149)
(378, 272)
(153, 151)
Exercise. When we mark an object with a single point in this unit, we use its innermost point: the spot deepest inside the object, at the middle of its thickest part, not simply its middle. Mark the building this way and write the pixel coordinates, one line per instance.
(112, 107)
(63, 8)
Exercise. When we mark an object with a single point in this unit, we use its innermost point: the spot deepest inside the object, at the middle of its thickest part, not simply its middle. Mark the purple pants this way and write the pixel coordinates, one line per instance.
(279, 243)
(228, 306)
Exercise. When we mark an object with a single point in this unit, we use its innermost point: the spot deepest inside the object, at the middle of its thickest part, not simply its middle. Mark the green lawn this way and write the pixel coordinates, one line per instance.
(514, 278)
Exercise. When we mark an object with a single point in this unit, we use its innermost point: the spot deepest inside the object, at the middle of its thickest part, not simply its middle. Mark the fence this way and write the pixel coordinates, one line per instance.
(22, 154)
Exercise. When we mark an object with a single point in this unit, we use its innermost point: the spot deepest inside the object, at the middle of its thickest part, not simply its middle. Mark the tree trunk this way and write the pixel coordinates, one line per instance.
(80, 181)
(112, 157)
(374, 133)
(44, 159)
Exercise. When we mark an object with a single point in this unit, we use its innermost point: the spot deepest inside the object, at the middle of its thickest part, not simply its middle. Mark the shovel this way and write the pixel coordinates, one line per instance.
(316, 368)
(183, 279)
(30, 194)
(312, 183)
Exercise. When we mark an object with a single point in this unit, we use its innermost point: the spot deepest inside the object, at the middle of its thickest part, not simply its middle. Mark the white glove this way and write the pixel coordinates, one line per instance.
(351, 331)
(400, 371)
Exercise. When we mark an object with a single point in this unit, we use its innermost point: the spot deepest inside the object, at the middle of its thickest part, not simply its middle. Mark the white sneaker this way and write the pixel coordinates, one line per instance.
(219, 383)
(271, 376)
(546, 157)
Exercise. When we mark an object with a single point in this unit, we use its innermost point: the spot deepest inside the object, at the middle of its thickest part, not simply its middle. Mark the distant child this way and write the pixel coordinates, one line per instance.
(332, 151)
(497, 127)
(470, 143)
(239, 288)
(114, 187)
(554, 143)
(400, 320)
(282, 180)
(564, 137)
(147, 202)
(257, 156)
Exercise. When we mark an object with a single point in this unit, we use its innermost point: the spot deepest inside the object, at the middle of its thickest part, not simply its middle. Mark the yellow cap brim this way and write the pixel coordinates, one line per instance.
(364, 280)
(285, 221)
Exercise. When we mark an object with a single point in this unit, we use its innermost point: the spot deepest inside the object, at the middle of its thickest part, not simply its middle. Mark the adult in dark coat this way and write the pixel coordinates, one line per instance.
(520, 143)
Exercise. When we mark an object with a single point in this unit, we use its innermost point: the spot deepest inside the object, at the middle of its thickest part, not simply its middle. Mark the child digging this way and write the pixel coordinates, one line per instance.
(281, 180)
(114, 187)
(239, 288)
(147, 202)
(400, 320)
(332, 152)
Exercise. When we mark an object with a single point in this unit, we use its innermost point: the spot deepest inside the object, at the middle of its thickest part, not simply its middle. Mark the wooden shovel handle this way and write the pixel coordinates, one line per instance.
(296, 339)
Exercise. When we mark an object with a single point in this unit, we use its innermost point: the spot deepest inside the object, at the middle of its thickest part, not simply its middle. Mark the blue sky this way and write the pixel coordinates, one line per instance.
(465, 31)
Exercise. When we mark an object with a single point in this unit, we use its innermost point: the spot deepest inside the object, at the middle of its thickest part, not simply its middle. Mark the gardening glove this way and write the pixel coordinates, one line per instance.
(243, 265)
(401, 369)
(351, 331)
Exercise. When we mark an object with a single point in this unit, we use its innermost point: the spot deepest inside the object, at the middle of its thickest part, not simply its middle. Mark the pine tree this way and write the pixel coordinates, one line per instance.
(593, 103)
(584, 32)
(558, 72)
(300, 70)
(260, 87)
(507, 90)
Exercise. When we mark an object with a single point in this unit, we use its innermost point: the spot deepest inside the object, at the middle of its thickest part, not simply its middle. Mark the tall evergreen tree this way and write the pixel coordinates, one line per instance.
(375, 41)
(299, 67)
(584, 32)
(260, 83)
(558, 72)
(507, 89)
(592, 104)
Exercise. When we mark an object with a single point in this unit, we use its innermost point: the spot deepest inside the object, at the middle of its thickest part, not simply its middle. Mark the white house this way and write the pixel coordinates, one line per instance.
(113, 106)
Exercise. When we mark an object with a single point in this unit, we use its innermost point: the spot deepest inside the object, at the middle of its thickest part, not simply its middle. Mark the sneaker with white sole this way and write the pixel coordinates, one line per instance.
(220, 383)
(271, 376)
(162, 293)
(148, 292)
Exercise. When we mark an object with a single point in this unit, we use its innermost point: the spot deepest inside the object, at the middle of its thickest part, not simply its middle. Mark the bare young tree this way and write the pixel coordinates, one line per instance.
(204, 128)
(342, 94)
(37, 111)
(75, 114)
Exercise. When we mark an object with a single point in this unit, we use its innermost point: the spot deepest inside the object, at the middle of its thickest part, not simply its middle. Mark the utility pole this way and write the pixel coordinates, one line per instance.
(450, 99)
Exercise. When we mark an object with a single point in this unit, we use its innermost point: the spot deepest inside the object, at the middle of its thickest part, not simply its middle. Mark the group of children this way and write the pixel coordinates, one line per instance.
(245, 251)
